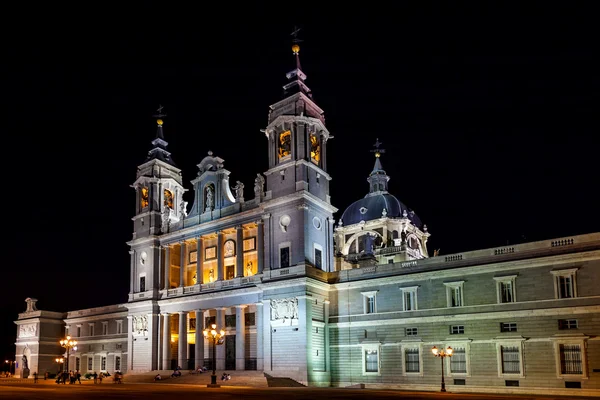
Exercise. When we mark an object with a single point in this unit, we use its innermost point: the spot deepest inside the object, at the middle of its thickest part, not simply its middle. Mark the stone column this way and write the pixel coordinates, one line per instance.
(199, 262)
(199, 350)
(167, 267)
(240, 338)
(259, 337)
(159, 269)
(182, 264)
(220, 261)
(159, 341)
(182, 359)
(166, 346)
(239, 252)
(326, 333)
(265, 325)
(129, 343)
(220, 321)
(331, 250)
(131, 271)
(260, 245)
(305, 329)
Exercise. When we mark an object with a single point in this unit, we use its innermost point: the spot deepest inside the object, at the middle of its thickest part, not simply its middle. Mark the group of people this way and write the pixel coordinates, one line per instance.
(200, 370)
(71, 376)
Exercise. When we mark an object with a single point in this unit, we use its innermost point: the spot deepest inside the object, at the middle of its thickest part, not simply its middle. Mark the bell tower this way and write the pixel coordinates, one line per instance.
(297, 199)
(297, 139)
(159, 196)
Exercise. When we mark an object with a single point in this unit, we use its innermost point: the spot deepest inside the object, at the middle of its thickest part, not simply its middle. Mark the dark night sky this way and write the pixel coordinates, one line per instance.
(489, 119)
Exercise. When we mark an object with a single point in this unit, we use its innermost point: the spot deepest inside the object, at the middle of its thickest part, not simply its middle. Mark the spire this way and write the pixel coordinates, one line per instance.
(296, 76)
(159, 144)
(378, 179)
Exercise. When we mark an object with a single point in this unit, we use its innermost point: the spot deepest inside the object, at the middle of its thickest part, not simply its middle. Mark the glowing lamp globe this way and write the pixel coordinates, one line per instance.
(159, 121)
(296, 49)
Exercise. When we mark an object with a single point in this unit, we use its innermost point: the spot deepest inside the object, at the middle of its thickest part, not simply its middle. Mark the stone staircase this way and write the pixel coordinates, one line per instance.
(238, 378)
(273, 381)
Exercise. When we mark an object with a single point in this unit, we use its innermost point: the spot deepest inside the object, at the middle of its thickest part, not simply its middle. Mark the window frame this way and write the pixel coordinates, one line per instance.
(408, 345)
(579, 340)
(91, 329)
(518, 342)
(282, 246)
(104, 328)
(412, 291)
(366, 296)
(557, 274)
(364, 348)
(316, 247)
(450, 286)
(512, 279)
(456, 344)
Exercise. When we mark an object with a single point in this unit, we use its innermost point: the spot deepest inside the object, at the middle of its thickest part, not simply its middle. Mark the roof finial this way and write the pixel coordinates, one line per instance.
(159, 121)
(295, 41)
(377, 150)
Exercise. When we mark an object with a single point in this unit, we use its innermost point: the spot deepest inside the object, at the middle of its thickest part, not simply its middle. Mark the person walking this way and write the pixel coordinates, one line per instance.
(35, 377)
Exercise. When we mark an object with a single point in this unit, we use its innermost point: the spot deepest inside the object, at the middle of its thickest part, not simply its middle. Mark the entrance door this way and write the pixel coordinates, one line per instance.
(192, 358)
(229, 272)
(230, 352)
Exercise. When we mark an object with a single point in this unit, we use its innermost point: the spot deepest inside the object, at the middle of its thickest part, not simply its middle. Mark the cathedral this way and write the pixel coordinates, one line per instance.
(358, 301)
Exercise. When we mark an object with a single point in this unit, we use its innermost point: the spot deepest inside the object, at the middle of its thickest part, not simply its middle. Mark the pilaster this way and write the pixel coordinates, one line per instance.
(240, 338)
(220, 261)
(220, 321)
(182, 263)
(130, 354)
(167, 267)
(182, 359)
(259, 337)
(199, 262)
(260, 245)
(199, 349)
(239, 252)
(166, 346)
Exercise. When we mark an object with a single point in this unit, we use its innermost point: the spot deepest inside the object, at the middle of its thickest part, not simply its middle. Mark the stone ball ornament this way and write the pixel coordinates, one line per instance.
(284, 222)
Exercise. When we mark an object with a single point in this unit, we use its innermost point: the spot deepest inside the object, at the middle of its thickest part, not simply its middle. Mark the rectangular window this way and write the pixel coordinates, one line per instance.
(230, 321)
(409, 298)
(117, 363)
(564, 324)
(79, 331)
(119, 327)
(511, 362)
(208, 321)
(284, 257)
(454, 294)
(370, 306)
(411, 360)
(318, 258)
(458, 361)
(371, 361)
(571, 360)
(91, 330)
(369, 302)
(77, 363)
(508, 327)
(457, 329)
(103, 364)
(119, 346)
(411, 331)
(90, 363)
(142, 283)
(565, 286)
(105, 328)
(250, 319)
(505, 288)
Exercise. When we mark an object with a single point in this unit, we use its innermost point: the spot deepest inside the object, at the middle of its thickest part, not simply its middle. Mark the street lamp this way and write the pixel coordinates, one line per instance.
(68, 344)
(10, 365)
(59, 361)
(442, 354)
(217, 338)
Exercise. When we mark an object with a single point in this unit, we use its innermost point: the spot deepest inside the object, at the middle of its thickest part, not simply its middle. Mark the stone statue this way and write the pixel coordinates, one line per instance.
(259, 186)
(436, 252)
(369, 244)
(211, 275)
(183, 208)
(24, 362)
(239, 191)
(210, 201)
(249, 268)
(384, 213)
(30, 305)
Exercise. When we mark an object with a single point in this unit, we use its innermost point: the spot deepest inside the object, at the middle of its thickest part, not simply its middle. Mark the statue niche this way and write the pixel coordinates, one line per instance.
(209, 197)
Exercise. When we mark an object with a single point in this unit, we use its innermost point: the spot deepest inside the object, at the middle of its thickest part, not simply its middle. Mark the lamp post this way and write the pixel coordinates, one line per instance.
(68, 344)
(60, 362)
(442, 354)
(217, 338)
(10, 365)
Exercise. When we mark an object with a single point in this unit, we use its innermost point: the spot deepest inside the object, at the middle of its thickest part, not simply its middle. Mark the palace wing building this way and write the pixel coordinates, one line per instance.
(360, 301)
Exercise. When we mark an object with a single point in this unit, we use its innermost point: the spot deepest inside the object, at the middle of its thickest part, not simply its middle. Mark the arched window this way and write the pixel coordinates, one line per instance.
(315, 148)
(144, 197)
(168, 198)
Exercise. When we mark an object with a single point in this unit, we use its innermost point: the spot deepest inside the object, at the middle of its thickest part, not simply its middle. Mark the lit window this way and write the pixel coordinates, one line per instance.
(409, 298)
(510, 358)
(565, 285)
(371, 359)
(370, 302)
(505, 289)
(454, 294)
(144, 197)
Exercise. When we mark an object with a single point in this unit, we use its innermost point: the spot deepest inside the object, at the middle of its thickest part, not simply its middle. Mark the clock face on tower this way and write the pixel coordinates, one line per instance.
(144, 199)
(285, 144)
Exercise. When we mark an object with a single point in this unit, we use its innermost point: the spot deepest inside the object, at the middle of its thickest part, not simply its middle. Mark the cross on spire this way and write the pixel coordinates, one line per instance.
(159, 110)
(377, 150)
(295, 35)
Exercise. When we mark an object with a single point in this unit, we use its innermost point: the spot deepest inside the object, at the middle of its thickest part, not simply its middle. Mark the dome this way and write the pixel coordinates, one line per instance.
(371, 207)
